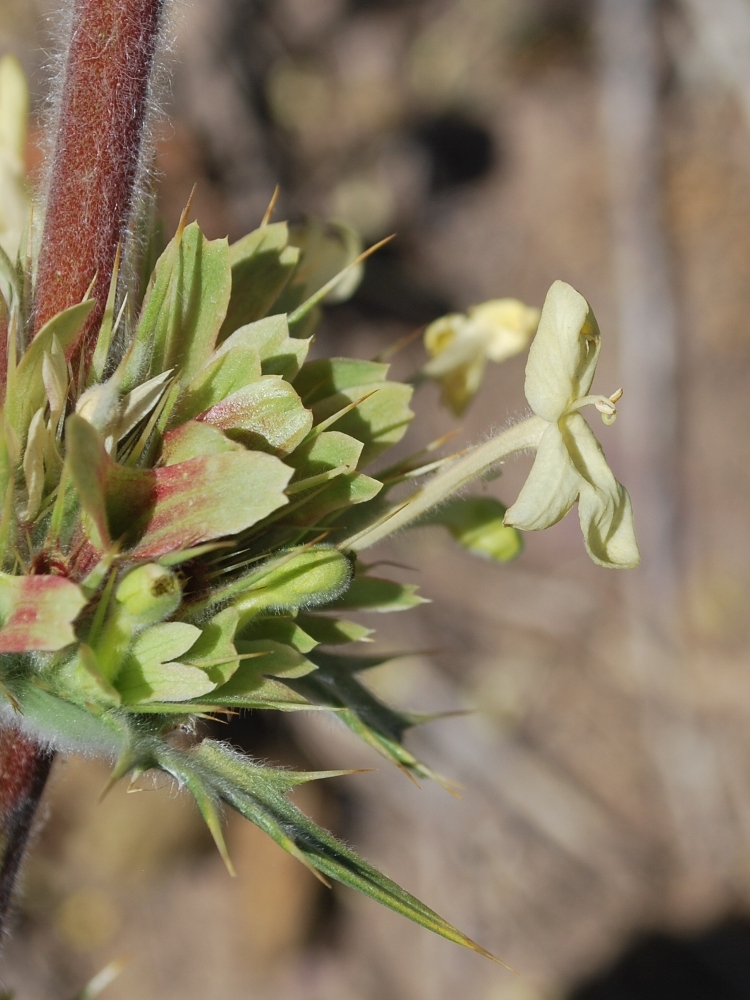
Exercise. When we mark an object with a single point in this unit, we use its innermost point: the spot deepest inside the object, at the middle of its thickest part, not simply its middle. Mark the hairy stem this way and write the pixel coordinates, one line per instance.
(24, 769)
(97, 152)
(97, 149)
(449, 481)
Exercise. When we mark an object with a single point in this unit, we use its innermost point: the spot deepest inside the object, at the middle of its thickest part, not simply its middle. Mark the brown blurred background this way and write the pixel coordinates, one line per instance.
(602, 843)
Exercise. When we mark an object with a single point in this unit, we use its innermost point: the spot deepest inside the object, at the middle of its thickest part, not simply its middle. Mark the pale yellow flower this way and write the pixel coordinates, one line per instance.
(459, 346)
(570, 464)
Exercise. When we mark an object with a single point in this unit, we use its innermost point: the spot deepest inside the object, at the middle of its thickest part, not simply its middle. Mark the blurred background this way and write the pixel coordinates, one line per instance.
(602, 843)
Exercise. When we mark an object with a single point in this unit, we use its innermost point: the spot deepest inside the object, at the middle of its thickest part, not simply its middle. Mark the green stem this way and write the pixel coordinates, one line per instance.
(451, 480)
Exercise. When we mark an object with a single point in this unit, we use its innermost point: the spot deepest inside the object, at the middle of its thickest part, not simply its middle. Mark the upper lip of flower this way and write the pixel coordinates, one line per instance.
(570, 464)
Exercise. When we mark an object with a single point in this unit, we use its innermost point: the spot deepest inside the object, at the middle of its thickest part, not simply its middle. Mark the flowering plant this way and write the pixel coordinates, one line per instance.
(184, 496)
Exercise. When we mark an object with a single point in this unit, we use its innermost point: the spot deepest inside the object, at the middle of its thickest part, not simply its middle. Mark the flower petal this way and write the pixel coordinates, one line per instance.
(551, 488)
(604, 506)
(608, 533)
(507, 326)
(563, 355)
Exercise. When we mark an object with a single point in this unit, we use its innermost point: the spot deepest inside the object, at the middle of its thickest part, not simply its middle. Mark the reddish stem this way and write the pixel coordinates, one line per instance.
(24, 768)
(94, 171)
(97, 151)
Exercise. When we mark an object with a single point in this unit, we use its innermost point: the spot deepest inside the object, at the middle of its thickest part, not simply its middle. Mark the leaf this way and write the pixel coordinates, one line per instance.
(267, 416)
(370, 593)
(262, 264)
(326, 249)
(214, 651)
(250, 686)
(279, 353)
(284, 630)
(157, 511)
(193, 439)
(184, 308)
(148, 673)
(259, 794)
(326, 376)
(200, 287)
(380, 419)
(334, 684)
(298, 579)
(477, 524)
(82, 682)
(326, 451)
(225, 373)
(344, 491)
(26, 391)
(37, 612)
(332, 631)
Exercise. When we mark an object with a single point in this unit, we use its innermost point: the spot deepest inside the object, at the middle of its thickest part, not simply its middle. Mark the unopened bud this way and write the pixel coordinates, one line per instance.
(149, 594)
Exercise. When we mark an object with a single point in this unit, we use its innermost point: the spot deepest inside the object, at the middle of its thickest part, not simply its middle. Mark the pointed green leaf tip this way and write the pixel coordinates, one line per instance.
(259, 794)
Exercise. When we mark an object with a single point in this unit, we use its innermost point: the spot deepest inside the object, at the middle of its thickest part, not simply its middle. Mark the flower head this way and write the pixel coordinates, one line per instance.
(459, 346)
(570, 464)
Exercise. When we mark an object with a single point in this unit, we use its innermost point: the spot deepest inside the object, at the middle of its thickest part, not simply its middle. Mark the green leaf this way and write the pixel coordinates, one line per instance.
(326, 376)
(477, 524)
(332, 631)
(25, 391)
(299, 579)
(334, 684)
(37, 612)
(326, 249)
(157, 511)
(193, 439)
(284, 630)
(225, 373)
(184, 308)
(148, 674)
(265, 416)
(326, 451)
(262, 264)
(343, 491)
(259, 794)
(370, 593)
(82, 682)
(279, 353)
(214, 652)
(187, 330)
(380, 419)
(254, 683)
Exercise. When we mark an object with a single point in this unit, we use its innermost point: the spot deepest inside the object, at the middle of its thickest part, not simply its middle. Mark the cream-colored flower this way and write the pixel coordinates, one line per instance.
(459, 346)
(570, 464)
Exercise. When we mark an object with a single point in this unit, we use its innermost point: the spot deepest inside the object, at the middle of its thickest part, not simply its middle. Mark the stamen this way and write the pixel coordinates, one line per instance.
(604, 404)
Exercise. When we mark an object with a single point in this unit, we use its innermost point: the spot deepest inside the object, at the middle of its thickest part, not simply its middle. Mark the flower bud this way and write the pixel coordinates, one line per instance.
(149, 594)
